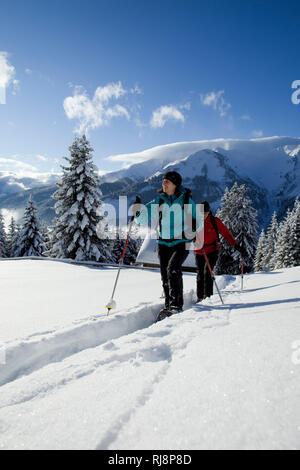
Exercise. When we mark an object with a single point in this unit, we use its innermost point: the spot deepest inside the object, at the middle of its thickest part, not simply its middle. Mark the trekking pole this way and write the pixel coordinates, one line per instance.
(242, 279)
(212, 274)
(111, 304)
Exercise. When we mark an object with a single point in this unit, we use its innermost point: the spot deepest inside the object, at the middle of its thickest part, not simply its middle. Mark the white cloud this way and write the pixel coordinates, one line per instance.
(186, 106)
(165, 113)
(42, 158)
(15, 86)
(7, 74)
(257, 133)
(107, 92)
(216, 101)
(28, 71)
(95, 112)
(246, 117)
(7, 71)
(11, 164)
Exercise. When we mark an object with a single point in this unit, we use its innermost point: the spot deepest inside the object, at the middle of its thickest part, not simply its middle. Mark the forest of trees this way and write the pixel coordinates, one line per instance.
(75, 230)
(279, 246)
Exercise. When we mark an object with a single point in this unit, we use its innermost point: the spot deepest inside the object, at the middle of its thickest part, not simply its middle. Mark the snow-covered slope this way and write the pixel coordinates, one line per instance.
(213, 377)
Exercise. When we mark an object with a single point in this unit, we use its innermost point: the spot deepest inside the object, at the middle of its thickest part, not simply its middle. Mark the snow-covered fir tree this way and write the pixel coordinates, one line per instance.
(269, 260)
(45, 231)
(260, 252)
(12, 237)
(118, 242)
(116, 247)
(78, 203)
(287, 250)
(294, 251)
(283, 240)
(238, 214)
(135, 243)
(30, 240)
(3, 237)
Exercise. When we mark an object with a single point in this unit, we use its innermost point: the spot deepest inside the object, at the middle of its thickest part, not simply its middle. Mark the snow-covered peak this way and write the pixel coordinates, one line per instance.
(264, 160)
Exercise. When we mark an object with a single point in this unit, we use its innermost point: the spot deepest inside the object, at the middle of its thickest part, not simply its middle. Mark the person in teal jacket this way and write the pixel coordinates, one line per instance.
(177, 222)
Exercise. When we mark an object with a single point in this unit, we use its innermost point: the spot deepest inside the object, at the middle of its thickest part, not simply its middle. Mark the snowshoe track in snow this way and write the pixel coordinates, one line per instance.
(30, 354)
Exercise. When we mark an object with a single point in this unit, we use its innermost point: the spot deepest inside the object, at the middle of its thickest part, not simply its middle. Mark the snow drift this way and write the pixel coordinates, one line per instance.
(214, 377)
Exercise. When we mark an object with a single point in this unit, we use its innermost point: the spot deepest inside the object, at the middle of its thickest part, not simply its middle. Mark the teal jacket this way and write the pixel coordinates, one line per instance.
(176, 218)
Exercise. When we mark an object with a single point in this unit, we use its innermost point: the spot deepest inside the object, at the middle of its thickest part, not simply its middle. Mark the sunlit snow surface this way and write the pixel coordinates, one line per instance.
(213, 377)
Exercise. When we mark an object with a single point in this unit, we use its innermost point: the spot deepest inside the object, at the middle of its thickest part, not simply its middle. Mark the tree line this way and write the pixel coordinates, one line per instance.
(75, 230)
(279, 246)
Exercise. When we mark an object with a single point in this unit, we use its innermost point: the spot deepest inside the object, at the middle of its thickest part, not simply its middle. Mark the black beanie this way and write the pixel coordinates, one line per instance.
(206, 207)
(174, 177)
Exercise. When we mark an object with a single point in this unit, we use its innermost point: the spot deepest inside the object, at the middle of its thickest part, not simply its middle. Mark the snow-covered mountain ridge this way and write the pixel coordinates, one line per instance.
(268, 166)
(250, 157)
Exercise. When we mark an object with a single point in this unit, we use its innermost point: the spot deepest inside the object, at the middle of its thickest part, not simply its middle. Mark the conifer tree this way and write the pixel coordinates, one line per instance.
(30, 240)
(78, 203)
(133, 246)
(283, 240)
(3, 237)
(295, 235)
(45, 231)
(116, 247)
(287, 249)
(260, 252)
(239, 215)
(12, 238)
(271, 239)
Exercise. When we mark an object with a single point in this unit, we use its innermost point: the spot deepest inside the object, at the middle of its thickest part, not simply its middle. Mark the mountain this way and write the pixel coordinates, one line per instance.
(13, 184)
(268, 166)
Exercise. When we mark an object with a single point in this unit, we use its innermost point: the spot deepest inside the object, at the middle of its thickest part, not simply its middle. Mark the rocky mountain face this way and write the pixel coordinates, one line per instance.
(269, 167)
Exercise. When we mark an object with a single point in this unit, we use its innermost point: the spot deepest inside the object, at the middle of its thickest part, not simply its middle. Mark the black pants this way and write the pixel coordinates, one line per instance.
(171, 261)
(205, 287)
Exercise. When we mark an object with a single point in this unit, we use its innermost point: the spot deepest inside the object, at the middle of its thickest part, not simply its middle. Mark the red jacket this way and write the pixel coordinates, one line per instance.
(210, 241)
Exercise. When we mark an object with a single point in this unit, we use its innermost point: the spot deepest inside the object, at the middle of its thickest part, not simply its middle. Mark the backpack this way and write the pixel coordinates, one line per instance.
(214, 224)
(215, 227)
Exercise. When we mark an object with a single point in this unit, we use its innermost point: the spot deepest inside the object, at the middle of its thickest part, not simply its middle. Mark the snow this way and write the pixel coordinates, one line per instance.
(213, 377)
(250, 156)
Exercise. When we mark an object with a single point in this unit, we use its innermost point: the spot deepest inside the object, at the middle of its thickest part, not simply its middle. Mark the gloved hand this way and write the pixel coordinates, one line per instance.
(137, 206)
(241, 250)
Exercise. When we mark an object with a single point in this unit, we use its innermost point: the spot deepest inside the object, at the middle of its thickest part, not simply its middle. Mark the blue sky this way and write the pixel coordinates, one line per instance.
(136, 74)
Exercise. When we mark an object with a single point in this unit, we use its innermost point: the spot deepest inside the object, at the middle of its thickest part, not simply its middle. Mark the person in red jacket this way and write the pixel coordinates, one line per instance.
(209, 242)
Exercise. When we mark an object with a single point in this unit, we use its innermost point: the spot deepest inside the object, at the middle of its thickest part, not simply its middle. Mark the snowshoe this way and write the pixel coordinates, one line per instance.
(174, 310)
(168, 312)
(163, 313)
